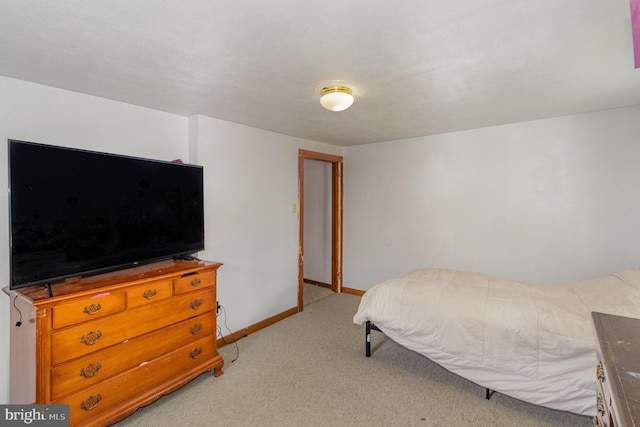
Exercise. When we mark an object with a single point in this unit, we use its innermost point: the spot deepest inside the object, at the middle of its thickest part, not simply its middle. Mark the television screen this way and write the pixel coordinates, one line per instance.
(77, 213)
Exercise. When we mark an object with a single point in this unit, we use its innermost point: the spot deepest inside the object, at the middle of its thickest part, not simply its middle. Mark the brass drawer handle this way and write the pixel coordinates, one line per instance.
(600, 372)
(196, 282)
(91, 370)
(149, 294)
(195, 329)
(195, 353)
(195, 304)
(92, 309)
(91, 338)
(600, 404)
(91, 402)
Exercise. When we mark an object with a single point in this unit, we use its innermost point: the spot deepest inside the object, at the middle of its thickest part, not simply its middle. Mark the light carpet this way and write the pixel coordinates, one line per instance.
(310, 370)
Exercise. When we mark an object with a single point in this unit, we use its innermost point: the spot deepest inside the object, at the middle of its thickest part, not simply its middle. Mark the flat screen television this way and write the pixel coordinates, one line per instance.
(79, 213)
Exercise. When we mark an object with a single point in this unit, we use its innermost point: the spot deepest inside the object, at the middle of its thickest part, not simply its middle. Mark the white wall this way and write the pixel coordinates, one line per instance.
(52, 116)
(543, 201)
(251, 183)
(251, 179)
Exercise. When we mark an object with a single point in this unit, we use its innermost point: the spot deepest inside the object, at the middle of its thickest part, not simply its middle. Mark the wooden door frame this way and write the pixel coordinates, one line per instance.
(336, 219)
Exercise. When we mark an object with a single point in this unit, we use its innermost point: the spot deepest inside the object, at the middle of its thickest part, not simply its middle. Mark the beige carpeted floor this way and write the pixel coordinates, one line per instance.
(313, 293)
(310, 370)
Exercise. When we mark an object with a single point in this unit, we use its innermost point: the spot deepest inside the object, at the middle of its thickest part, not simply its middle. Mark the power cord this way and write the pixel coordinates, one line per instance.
(235, 341)
(19, 322)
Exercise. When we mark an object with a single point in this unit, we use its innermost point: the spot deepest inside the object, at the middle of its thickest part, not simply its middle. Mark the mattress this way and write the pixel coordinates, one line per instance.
(532, 342)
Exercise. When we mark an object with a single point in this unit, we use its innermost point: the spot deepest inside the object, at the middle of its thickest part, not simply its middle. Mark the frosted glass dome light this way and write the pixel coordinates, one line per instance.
(336, 98)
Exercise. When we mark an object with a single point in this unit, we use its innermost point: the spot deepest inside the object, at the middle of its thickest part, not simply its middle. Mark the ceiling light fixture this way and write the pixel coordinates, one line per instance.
(336, 98)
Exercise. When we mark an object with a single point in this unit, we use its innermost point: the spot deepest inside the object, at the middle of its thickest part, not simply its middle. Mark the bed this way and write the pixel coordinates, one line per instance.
(533, 342)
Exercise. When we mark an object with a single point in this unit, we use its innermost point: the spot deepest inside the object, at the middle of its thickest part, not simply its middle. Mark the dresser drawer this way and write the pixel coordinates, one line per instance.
(83, 339)
(131, 384)
(100, 365)
(109, 344)
(149, 292)
(89, 308)
(191, 282)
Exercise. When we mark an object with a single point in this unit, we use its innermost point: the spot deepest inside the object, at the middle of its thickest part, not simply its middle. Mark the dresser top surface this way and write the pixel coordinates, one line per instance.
(89, 284)
(619, 339)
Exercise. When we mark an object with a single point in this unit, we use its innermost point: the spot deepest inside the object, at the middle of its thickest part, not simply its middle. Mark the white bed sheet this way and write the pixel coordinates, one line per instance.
(532, 342)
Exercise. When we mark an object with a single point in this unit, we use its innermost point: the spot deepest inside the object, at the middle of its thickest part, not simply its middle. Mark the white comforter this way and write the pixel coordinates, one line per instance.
(532, 342)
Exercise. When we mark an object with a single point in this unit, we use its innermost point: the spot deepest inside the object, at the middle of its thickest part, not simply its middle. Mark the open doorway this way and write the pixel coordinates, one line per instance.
(320, 162)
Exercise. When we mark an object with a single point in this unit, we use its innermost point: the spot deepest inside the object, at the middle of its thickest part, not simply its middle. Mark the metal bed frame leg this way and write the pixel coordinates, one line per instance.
(489, 393)
(368, 339)
(368, 328)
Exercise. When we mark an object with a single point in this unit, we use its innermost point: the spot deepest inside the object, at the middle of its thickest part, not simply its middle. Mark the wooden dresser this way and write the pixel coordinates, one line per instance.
(618, 371)
(109, 344)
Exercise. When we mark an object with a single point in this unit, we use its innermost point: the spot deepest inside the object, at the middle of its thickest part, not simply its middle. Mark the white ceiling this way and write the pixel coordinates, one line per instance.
(417, 67)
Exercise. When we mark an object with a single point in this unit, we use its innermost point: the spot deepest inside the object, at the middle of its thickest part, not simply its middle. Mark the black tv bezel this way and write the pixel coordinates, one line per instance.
(181, 255)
